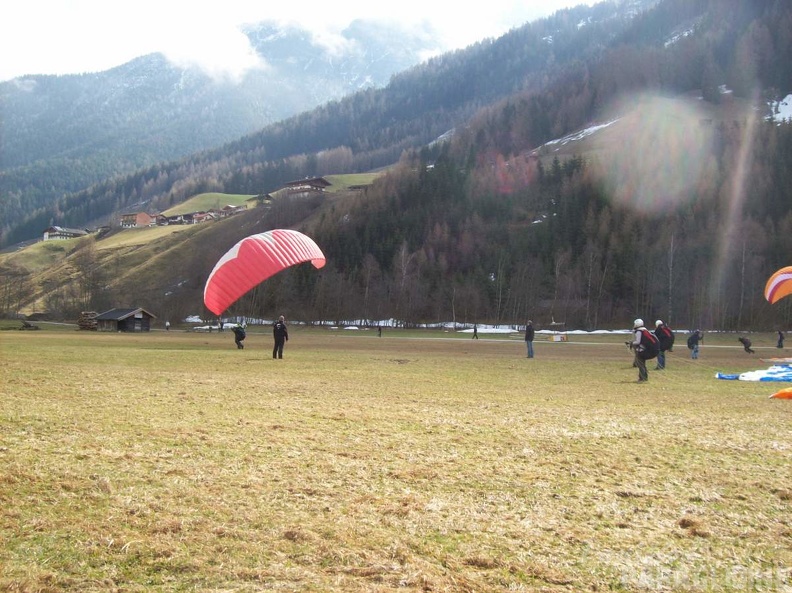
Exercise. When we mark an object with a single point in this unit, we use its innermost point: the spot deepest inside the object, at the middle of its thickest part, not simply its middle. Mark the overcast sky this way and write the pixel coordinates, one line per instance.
(73, 36)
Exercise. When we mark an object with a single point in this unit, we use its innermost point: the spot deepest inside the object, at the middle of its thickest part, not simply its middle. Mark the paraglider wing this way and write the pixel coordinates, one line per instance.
(253, 260)
(783, 394)
(779, 285)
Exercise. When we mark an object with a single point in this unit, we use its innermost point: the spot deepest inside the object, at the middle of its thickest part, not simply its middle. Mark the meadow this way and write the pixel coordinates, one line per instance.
(418, 461)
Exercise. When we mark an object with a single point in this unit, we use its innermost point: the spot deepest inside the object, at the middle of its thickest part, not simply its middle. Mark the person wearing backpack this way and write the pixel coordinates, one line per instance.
(645, 347)
(746, 345)
(693, 343)
(239, 335)
(665, 337)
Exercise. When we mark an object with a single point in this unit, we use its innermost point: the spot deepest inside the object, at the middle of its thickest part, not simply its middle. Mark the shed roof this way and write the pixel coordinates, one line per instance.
(121, 314)
(60, 229)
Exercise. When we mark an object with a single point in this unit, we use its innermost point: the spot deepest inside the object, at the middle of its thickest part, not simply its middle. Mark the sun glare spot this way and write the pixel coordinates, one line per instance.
(661, 155)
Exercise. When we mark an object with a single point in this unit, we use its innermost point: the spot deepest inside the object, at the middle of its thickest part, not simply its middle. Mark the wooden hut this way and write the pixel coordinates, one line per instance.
(125, 320)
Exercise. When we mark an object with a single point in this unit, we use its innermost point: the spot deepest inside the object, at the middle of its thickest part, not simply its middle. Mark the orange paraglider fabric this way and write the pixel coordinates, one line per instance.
(253, 260)
(783, 394)
(779, 285)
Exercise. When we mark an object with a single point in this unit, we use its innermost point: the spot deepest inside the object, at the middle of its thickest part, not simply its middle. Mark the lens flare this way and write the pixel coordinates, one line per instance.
(662, 153)
(736, 199)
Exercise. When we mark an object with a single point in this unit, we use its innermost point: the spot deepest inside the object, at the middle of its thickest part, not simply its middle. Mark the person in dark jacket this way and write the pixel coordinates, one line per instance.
(746, 344)
(693, 343)
(281, 335)
(780, 339)
(239, 336)
(666, 339)
(529, 338)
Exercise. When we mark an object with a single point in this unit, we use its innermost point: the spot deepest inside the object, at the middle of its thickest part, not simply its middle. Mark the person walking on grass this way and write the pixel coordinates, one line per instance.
(746, 345)
(529, 338)
(239, 335)
(666, 339)
(475, 332)
(645, 347)
(693, 343)
(281, 336)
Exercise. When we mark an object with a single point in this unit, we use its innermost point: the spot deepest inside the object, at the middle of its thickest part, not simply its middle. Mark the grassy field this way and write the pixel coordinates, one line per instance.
(207, 201)
(175, 462)
(41, 255)
(343, 182)
(143, 235)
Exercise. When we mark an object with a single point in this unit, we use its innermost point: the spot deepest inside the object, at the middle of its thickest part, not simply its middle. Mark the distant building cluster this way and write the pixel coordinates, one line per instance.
(132, 220)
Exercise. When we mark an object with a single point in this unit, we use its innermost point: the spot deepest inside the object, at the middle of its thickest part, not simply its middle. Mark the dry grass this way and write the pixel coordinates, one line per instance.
(174, 462)
(207, 201)
(142, 236)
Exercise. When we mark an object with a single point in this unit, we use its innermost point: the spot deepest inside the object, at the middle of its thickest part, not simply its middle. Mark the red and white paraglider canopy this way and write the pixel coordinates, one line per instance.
(253, 260)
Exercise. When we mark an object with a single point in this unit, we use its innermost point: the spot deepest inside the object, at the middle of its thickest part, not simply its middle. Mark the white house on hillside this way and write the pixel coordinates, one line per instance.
(57, 232)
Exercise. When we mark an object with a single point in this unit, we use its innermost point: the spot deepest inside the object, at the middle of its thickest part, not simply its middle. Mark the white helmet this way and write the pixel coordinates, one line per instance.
(658, 323)
(637, 323)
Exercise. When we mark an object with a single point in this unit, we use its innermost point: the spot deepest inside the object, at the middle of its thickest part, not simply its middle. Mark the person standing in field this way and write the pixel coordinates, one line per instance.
(475, 332)
(167, 326)
(645, 347)
(666, 339)
(693, 343)
(281, 336)
(780, 339)
(529, 338)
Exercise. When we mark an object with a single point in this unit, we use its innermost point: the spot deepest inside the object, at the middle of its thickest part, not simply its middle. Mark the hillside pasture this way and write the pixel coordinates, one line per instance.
(206, 201)
(340, 183)
(141, 236)
(172, 461)
(41, 255)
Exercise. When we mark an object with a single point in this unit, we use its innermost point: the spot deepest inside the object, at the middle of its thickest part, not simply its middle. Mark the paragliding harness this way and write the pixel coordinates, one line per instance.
(692, 341)
(650, 345)
(239, 335)
(666, 338)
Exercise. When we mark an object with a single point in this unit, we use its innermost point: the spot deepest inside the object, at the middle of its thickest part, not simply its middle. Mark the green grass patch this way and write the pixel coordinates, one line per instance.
(41, 255)
(172, 461)
(344, 182)
(207, 201)
(142, 236)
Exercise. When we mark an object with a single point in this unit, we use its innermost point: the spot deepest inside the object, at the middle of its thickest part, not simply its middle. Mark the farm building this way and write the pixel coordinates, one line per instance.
(306, 187)
(57, 232)
(138, 219)
(125, 320)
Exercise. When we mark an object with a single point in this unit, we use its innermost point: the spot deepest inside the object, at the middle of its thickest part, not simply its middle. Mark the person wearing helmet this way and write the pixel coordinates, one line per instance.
(645, 347)
(665, 337)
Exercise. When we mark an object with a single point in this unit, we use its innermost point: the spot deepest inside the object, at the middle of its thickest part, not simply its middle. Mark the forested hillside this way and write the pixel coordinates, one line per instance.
(368, 129)
(680, 210)
(62, 134)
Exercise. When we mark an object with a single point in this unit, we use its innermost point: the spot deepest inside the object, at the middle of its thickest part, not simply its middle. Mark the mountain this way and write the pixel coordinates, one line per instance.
(639, 178)
(376, 125)
(62, 134)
